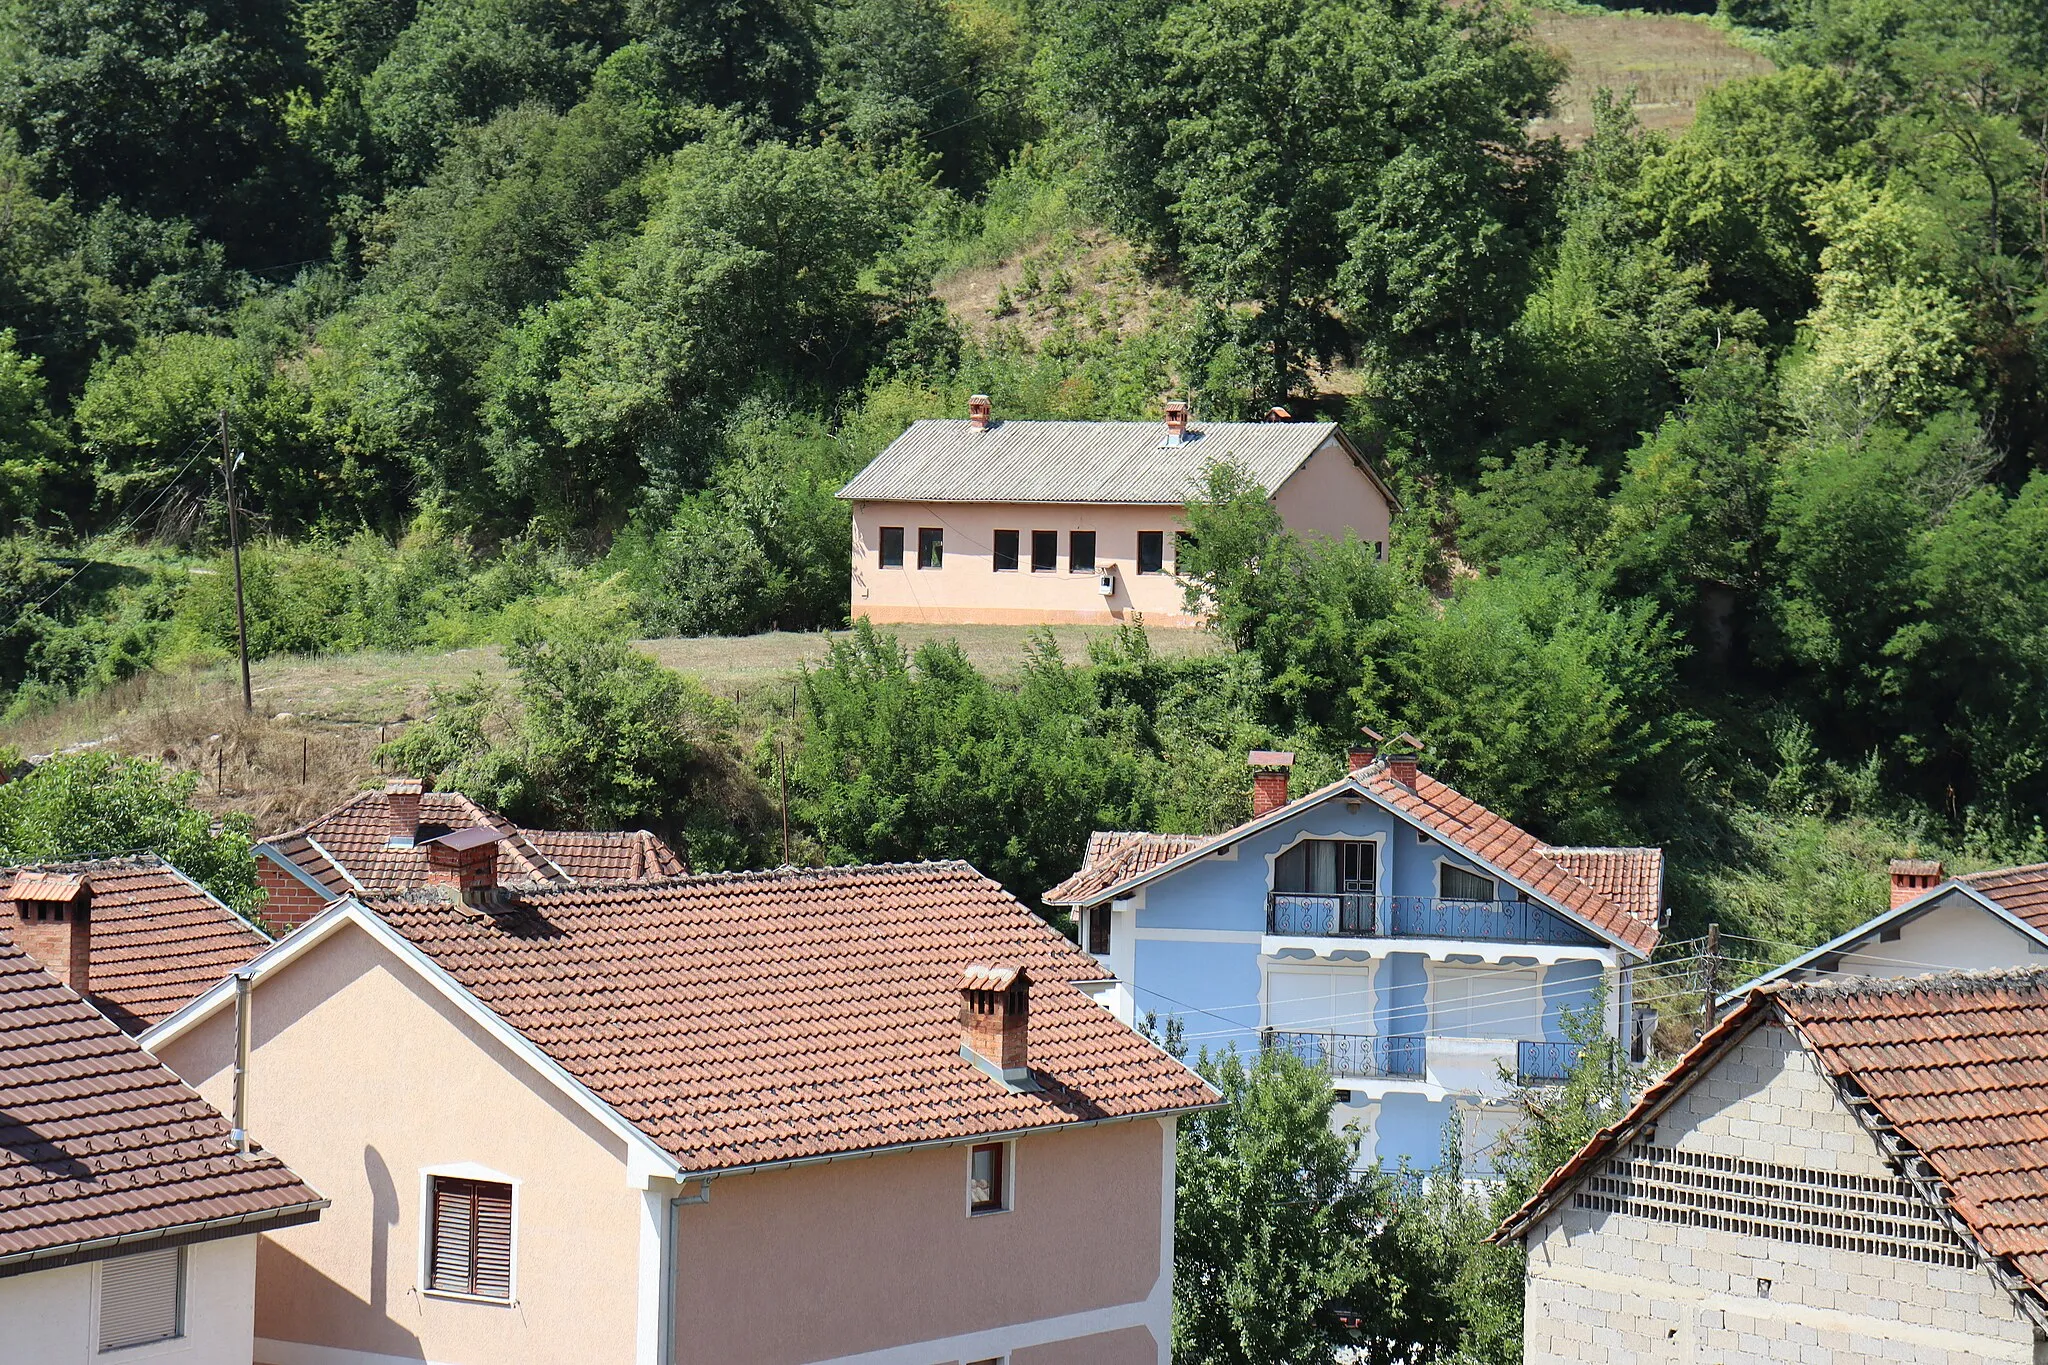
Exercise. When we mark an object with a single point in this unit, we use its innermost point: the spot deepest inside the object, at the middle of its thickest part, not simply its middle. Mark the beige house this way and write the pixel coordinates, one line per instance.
(1000, 522)
(853, 1115)
(1838, 1172)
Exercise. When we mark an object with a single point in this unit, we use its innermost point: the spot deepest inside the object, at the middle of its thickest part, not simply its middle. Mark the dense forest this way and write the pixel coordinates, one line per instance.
(1724, 456)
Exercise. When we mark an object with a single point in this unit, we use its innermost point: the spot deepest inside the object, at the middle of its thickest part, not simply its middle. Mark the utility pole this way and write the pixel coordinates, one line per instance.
(1711, 969)
(227, 474)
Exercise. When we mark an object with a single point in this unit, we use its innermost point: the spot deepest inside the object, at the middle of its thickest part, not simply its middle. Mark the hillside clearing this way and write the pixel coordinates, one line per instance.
(1670, 61)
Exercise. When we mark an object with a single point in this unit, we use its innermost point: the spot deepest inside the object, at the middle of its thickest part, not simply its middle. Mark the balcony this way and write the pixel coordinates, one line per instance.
(1357, 914)
(1362, 1055)
(1545, 1063)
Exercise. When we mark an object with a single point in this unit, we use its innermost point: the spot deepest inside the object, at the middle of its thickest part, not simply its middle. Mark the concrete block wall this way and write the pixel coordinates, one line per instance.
(1615, 1287)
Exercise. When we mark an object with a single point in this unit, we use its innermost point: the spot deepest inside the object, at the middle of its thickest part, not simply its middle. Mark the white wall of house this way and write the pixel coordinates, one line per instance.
(51, 1317)
(1605, 1283)
(1957, 935)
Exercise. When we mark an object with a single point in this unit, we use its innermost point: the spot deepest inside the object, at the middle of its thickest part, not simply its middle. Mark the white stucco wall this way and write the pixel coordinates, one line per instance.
(1957, 935)
(51, 1317)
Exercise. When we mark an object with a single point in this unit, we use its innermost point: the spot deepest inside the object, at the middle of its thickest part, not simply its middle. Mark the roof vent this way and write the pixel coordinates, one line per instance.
(52, 923)
(1913, 878)
(1269, 779)
(1279, 414)
(995, 1020)
(1176, 422)
(977, 412)
(402, 809)
(464, 862)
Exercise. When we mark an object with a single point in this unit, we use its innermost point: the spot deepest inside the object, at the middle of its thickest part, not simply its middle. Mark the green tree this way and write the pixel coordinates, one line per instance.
(31, 444)
(99, 804)
(1272, 1225)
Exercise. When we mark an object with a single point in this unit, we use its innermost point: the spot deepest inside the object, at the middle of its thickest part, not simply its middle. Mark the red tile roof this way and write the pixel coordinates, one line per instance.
(2021, 890)
(99, 1142)
(349, 848)
(1955, 1065)
(761, 1017)
(159, 939)
(608, 855)
(1115, 855)
(1619, 891)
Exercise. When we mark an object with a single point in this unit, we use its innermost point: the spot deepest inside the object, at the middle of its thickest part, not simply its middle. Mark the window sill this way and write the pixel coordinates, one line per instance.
(454, 1297)
(985, 1213)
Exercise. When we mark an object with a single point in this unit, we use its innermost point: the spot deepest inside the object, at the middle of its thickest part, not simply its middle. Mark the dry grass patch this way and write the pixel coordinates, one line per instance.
(1670, 61)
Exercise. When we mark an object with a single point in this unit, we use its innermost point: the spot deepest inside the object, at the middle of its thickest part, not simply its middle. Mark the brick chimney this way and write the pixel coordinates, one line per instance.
(402, 808)
(1361, 758)
(1913, 878)
(1176, 422)
(51, 919)
(1401, 764)
(464, 863)
(995, 1022)
(1277, 414)
(977, 412)
(1269, 779)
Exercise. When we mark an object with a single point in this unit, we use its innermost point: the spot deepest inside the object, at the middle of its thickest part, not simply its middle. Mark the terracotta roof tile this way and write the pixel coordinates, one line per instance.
(159, 939)
(349, 848)
(1956, 1065)
(754, 1018)
(98, 1140)
(1115, 855)
(2021, 890)
(1633, 878)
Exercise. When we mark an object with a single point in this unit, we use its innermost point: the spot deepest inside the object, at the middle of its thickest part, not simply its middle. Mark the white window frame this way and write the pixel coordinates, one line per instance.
(1009, 1146)
(1456, 866)
(144, 1350)
(1382, 869)
(463, 1170)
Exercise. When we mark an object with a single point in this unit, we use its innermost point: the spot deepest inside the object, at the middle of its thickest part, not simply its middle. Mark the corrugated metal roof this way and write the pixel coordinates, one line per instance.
(946, 460)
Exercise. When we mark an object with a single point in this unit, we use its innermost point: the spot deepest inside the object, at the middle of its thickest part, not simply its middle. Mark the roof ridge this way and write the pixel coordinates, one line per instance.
(100, 862)
(1950, 982)
(1971, 877)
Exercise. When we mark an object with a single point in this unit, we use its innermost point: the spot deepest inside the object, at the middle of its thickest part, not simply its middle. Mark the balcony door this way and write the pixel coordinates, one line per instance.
(1328, 867)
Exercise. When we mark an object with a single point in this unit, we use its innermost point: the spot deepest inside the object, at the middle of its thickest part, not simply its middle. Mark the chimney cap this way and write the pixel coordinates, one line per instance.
(1916, 867)
(62, 887)
(1270, 758)
(404, 786)
(982, 977)
(475, 836)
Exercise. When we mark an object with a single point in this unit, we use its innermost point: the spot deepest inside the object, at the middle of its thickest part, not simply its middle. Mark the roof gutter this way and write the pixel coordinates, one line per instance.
(182, 1234)
(894, 1149)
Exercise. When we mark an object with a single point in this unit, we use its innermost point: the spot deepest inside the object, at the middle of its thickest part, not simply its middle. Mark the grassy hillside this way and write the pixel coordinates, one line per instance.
(1669, 61)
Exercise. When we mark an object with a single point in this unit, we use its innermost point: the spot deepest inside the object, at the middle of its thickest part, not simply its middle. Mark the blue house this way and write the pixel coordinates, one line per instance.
(1386, 927)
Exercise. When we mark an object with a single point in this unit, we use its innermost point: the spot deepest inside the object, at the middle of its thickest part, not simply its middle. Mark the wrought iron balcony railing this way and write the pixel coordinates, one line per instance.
(1350, 1054)
(1545, 1063)
(1352, 914)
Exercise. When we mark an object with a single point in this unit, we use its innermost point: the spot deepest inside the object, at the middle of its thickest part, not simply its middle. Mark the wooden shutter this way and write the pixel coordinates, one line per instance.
(472, 1238)
(142, 1298)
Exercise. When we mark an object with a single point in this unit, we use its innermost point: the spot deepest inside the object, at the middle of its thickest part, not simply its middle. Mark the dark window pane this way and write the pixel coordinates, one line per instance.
(1151, 552)
(931, 547)
(892, 547)
(1459, 885)
(1081, 552)
(1045, 551)
(1098, 931)
(985, 1178)
(1006, 551)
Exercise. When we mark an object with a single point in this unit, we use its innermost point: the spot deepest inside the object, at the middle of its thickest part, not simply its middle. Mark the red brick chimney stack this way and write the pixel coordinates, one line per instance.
(1269, 779)
(1361, 759)
(402, 804)
(1176, 422)
(1913, 878)
(464, 863)
(1401, 765)
(51, 914)
(995, 1021)
(978, 412)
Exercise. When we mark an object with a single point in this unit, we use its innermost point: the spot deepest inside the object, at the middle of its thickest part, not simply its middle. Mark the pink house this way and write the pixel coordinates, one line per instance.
(996, 522)
(860, 1114)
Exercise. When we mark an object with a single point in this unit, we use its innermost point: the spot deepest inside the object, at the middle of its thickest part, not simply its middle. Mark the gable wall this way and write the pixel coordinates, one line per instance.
(361, 1076)
(1613, 1286)
(1331, 496)
(1957, 934)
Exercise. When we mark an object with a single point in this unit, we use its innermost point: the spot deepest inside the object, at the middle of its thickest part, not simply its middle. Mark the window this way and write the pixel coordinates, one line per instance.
(987, 1171)
(1327, 866)
(931, 547)
(1481, 1002)
(469, 1250)
(1006, 552)
(142, 1298)
(1098, 931)
(1181, 541)
(1456, 884)
(1045, 551)
(1081, 551)
(1151, 552)
(892, 547)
